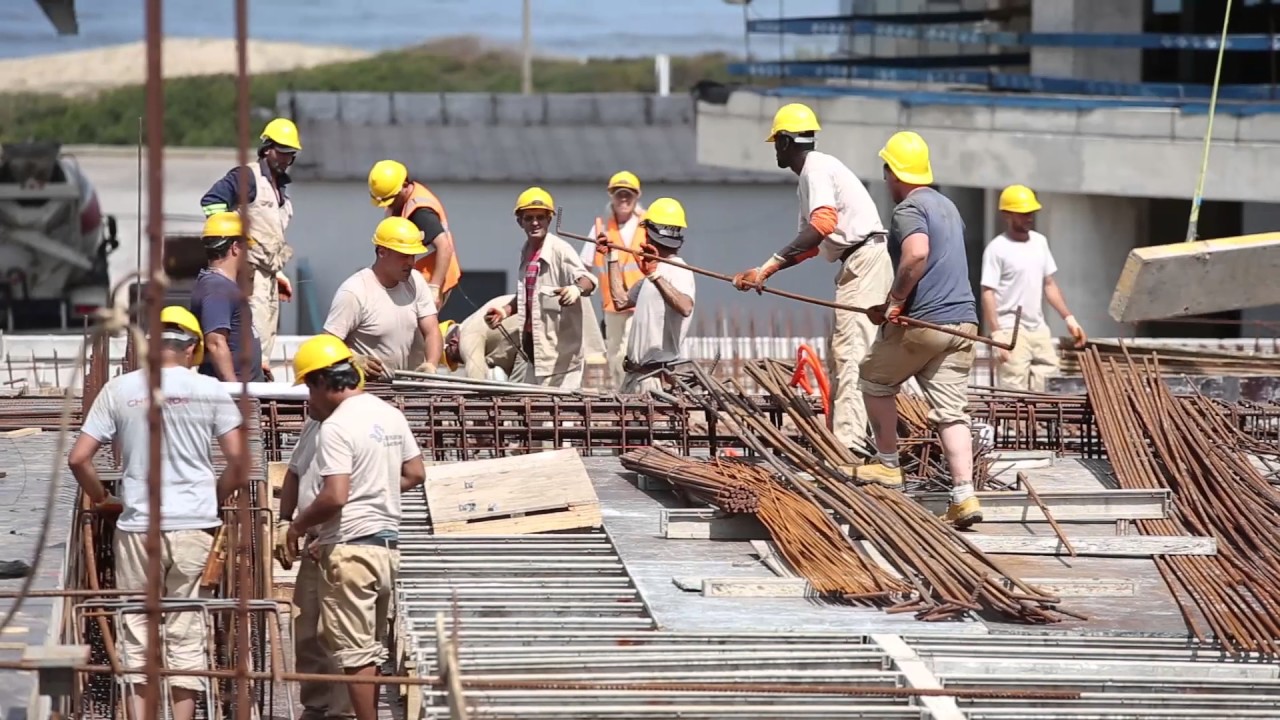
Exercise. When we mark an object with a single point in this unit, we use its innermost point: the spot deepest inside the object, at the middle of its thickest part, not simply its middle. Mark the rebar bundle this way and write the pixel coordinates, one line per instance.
(804, 534)
(1157, 440)
(949, 574)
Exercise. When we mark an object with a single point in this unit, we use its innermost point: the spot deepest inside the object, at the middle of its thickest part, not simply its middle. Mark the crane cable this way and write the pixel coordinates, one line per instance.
(1208, 133)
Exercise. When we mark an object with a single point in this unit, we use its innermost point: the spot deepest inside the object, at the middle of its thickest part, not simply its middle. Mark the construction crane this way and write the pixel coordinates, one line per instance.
(1194, 278)
(62, 13)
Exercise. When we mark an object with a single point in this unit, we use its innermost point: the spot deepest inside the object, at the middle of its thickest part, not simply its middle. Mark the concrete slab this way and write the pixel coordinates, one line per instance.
(27, 462)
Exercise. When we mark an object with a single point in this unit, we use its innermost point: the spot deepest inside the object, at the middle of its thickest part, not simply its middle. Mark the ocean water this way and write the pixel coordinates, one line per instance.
(578, 28)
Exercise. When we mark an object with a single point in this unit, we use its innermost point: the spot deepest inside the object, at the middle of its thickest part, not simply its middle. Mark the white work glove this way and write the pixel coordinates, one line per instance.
(569, 294)
(984, 437)
(1077, 332)
(284, 287)
(426, 367)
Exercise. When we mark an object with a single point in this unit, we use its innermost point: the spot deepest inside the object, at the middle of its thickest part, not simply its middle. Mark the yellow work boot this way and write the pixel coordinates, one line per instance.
(965, 513)
(876, 472)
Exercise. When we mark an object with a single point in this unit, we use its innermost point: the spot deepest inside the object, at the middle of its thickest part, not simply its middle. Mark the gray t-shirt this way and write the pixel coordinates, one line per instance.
(367, 439)
(943, 294)
(197, 409)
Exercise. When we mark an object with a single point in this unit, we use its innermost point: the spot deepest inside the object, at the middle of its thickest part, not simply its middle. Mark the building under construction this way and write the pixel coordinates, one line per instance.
(703, 552)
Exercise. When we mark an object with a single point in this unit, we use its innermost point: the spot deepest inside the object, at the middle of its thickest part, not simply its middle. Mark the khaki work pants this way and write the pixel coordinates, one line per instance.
(939, 362)
(319, 700)
(356, 587)
(265, 305)
(183, 554)
(863, 281)
(617, 329)
(523, 372)
(1031, 362)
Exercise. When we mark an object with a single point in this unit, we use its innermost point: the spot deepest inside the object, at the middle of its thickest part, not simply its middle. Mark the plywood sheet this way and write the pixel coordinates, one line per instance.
(513, 495)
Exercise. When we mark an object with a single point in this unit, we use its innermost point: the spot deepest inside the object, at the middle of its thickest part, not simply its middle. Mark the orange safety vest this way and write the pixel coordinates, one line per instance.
(630, 268)
(424, 198)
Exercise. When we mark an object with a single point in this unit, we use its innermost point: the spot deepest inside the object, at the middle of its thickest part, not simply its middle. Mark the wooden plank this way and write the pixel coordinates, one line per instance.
(762, 587)
(20, 433)
(1098, 546)
(275, 475)
(711, 524)
(1065, 505)
(1069, 587)
(1006, 460)
(527, 493)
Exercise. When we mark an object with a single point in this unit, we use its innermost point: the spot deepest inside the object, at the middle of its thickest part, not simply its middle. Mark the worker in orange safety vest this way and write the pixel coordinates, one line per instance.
(622, 216)
(391, 187)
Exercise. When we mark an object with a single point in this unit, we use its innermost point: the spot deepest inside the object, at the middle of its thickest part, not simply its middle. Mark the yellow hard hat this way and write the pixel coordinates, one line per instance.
(318, 353)
(1018, 199)
(283, 132)
(182, 317)
(445, 327)
(535, 198)
(795, 118)
(386, 178)
(666, 211)
(223, 225)
(624, 179)
(399, 235)
(907, 155)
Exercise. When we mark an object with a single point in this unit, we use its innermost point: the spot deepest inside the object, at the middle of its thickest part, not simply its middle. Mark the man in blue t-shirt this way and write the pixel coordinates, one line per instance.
(218, 303)
(931, 283)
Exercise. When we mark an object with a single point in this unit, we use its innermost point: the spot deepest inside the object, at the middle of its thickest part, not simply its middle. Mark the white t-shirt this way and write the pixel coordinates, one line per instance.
(302, 463)
(376, 320)
(197, 410)
(1017, 271)
(825, 181)
(657, 330)
(626, 232)
(369, 440)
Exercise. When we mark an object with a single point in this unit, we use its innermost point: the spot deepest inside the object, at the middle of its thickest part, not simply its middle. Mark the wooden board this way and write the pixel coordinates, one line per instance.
(530, 493)
(275, 475)
(20, 433)
(1097, 546)
(1066, 505)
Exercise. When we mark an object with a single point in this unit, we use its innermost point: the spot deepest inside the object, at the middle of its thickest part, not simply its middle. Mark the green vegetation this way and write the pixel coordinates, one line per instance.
(200, 111)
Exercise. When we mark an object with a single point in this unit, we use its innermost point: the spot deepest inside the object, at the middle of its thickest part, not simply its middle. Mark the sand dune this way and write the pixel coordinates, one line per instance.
(87, 71)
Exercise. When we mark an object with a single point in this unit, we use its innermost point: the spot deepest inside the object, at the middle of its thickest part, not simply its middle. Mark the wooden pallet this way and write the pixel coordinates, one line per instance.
(531, 493)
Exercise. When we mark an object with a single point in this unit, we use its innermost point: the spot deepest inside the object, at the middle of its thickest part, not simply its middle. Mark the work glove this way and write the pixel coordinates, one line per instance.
(285, 552)
(886, 312)
(370, 365)
(755, 278)
(284, 287)
(648, 265)
(602, 238)
(569, 294)
(426, 367)
(435, 294)
(495, 316)
(109, 505)
(1077, 332)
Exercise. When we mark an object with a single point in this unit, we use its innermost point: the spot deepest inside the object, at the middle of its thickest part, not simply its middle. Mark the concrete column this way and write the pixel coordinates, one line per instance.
(1090, 236)
(1079, 16)
(1260, 218)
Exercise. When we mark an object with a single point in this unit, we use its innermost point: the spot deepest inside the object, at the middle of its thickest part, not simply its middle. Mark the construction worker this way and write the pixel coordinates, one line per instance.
(365, 457)
(391, 187)
(218, 303)
(320, 700)
(475, 347)
(662, 301)
(926, 242)
(385, 312)
(553, 320)
(269, 211)
(197, 409)
(1017, 272)
(840, 222)
(624, 214)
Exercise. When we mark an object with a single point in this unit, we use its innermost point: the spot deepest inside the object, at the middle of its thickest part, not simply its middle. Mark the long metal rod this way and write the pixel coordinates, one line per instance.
(156, 293)
(903, 319)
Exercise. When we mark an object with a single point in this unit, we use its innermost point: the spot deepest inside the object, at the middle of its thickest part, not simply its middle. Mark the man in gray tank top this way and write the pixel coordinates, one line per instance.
(931, 283)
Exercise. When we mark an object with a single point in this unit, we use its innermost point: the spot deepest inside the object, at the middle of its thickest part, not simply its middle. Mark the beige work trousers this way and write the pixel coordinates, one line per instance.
(1031, 362)
(356, 586)
(183, 554)
(523, 372)
(617, 329)
(863, 281)
(319, 700)
(265, 305)
(939, 362)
